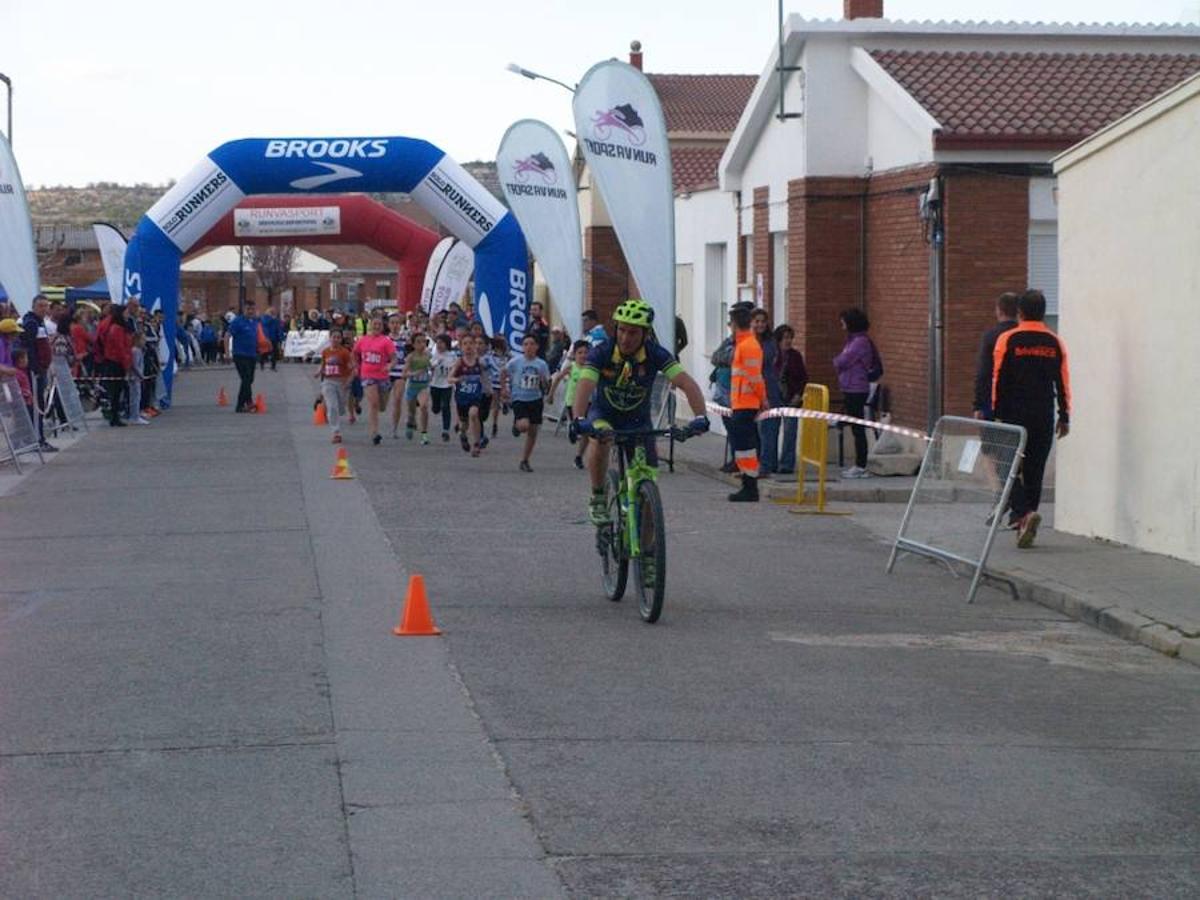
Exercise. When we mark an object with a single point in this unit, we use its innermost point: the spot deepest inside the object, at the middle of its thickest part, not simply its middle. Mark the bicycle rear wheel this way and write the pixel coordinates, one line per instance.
(650, 568)
(610, 540)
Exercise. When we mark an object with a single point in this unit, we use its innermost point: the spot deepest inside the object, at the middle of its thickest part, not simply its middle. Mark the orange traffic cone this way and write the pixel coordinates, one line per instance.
(341, 467)
(222, 397)
(416, 621)
(260, 404)
(319, 414)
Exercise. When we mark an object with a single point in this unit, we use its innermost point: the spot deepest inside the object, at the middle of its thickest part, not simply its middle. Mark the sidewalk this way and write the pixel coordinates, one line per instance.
(1142, 597)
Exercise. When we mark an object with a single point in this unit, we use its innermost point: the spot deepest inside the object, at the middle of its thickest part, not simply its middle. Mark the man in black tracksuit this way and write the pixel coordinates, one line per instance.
(1006, 320)
(1030, 372)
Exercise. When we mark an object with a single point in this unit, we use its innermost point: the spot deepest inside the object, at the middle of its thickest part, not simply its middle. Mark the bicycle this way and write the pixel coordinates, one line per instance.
(636, 530)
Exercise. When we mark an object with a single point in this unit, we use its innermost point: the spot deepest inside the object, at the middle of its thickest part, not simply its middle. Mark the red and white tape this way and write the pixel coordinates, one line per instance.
(794, 412)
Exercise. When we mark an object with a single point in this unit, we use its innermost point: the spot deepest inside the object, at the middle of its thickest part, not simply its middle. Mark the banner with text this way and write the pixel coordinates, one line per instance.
(539, 183)
(112, 244)
(447, 275)
(18, 259)
(296, 221)
(623, 136)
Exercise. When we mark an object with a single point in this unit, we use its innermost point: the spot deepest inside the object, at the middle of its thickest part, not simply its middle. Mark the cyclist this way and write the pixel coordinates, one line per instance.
(616, 381)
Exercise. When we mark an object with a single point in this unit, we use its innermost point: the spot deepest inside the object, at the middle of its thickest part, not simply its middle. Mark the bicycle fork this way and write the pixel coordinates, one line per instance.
(633, 543)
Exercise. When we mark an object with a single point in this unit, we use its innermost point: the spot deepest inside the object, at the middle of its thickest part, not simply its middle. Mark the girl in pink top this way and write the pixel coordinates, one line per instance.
(374, 353)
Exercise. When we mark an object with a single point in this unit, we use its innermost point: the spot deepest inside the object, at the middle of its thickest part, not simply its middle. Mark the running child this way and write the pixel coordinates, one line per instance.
(416, 375)
(373, 354)
(336, 371)
(471, 385)
(441, 391)
(400, 343)
(494, 360)
(526, 379)
(571, 372)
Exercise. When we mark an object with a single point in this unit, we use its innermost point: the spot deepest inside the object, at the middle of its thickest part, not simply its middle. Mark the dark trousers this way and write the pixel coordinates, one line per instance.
(115, 387)
(743, 435)
(856, 406)
(442, 399)
(245, 370)
(1027, 487)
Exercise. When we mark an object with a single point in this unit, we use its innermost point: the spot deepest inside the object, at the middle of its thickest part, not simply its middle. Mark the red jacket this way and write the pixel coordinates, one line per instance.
(113, 345)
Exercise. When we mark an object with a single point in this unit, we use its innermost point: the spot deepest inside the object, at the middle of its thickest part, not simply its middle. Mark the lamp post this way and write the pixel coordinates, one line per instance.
(8, 84)
(534, 76)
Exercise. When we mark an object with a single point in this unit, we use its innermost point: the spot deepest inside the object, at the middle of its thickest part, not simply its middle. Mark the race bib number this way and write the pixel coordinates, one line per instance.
(530, 381)
(373, 358)
(332, 370)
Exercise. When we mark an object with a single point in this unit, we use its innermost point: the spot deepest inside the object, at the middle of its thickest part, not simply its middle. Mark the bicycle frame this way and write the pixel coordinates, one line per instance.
(630, 476)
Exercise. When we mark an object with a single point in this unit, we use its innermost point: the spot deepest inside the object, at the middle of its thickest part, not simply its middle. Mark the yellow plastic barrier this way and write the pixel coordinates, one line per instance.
(812, 450)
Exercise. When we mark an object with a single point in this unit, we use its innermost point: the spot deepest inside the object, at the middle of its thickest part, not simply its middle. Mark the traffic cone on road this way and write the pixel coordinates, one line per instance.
(341, 466)
(260, 404)
(319, 414)
(222, 397)
(416, 620)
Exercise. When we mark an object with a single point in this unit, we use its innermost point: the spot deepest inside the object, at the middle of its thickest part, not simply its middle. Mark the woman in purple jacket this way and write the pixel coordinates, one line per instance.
(852, 364)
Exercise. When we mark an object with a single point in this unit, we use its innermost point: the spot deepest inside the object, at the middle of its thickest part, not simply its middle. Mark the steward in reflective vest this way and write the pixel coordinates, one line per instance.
(747, 396)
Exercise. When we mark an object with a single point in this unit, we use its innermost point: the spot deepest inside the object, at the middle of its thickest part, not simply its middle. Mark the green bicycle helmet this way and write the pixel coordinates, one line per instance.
(635, 312)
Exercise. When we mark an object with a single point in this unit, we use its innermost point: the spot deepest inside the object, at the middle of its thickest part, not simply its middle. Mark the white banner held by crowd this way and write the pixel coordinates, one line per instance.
(112, 245)
(302, 344)
(286, 221)
(623, 135)
(447, 275)
(18, 258)
(539, 183)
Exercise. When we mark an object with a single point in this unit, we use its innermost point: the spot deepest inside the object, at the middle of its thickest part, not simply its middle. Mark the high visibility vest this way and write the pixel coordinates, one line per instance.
(747, 390)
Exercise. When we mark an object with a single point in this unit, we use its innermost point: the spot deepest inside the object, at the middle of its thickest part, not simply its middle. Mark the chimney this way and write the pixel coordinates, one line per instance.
(863, 9)
(635, 52)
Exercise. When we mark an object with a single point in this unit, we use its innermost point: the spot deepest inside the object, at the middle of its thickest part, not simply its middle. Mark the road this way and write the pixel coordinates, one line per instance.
(204, 696)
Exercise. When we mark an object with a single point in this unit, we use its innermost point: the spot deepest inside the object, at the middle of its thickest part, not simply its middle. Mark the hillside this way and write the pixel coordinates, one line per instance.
(123, 205)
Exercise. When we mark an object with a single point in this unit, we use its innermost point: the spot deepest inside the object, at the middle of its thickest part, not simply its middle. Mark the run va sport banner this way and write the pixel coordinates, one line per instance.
(446, 278)
(539, 184)
(623, 135)
(18, 259)
(112, 246)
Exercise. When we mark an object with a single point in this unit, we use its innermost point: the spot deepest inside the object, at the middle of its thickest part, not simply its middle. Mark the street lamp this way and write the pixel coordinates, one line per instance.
(8, 84)
(534, 76)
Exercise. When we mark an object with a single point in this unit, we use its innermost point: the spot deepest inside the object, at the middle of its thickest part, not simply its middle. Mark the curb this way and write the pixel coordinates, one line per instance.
(1119, 621)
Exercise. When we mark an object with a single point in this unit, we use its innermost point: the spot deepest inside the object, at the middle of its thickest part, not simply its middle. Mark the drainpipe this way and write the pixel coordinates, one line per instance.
(937, 240)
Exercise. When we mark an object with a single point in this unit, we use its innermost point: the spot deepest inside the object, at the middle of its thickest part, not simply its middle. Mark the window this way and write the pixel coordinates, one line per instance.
(748, 249)
(716, 303)
(1043, 263)
(383, 290)
(351, 291)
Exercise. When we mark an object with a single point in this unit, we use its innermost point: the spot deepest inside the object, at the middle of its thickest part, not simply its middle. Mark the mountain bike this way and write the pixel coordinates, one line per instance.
(635, 531)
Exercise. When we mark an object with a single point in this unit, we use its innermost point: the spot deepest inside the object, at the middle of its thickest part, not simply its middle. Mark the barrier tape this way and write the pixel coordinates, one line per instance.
(794, 412)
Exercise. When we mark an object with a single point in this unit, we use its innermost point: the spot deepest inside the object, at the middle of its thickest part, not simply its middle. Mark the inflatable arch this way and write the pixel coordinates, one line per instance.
(251, 166)
(360, 220)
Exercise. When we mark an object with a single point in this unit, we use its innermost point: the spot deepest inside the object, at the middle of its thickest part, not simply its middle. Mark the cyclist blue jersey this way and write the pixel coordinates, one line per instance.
(623, 384)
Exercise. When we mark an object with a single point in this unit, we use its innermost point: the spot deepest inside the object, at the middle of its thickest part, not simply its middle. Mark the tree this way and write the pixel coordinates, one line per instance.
(273, 266)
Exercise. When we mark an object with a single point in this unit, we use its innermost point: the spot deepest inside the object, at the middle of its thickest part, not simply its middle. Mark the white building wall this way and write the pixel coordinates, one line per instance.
(891, 142)
(704, 219)
(1129, 231)
(835, 110)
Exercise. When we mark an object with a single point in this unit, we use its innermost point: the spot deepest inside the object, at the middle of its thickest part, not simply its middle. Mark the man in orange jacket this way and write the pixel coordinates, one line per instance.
(747, 396)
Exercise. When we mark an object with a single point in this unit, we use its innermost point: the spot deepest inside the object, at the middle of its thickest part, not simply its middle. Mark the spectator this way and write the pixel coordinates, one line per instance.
(81, 341)
(274, 334)
(457, 318)
(1030, 373)
(792, 382)
(244, 331)
(748, 397)
(10, 330)
(137, 346)
(768, 429)
(114, 360)
(1006, 320)
(719, 378)
(20, 371)
(538, 328)
(593, 331)
(853, 366)
(35, 338)
(559, 342)
(681, 336)
(208, 342)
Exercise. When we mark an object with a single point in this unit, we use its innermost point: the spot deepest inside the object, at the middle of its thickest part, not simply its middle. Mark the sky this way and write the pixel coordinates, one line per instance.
(134, 91)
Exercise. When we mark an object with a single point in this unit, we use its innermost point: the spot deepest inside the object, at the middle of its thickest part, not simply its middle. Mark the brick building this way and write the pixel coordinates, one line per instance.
(894, 132)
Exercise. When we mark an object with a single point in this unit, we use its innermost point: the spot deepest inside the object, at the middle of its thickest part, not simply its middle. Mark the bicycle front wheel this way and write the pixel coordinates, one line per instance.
(610, 541)
(650, 567)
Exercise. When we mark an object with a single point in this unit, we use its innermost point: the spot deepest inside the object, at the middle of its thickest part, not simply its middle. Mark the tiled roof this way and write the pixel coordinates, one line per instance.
(695, 167)
(703, 103)
(1030, 100)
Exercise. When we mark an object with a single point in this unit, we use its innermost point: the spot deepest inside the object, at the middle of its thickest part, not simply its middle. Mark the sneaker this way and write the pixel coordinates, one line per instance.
(445, 437)
(516, 432)
(579, 462)
(140, 420)
(598, 510)
(524, 466)
(337, 437)
(464, 443)
(408, 433)
(376, 439)
(1027, 532)
(424, 439)
(856, 472)
(477, 449)
(483, 441)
